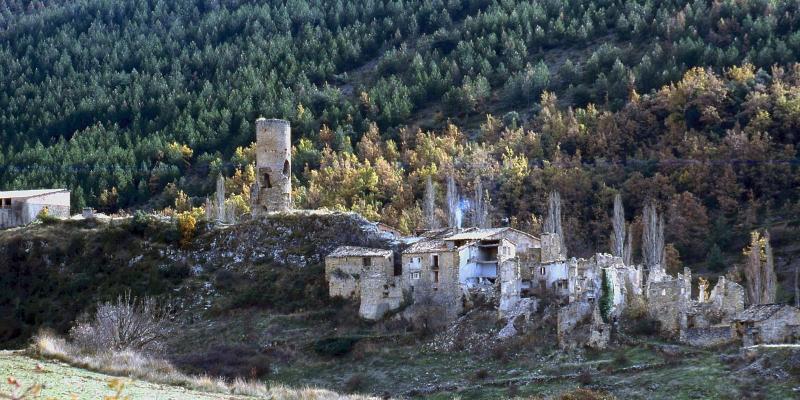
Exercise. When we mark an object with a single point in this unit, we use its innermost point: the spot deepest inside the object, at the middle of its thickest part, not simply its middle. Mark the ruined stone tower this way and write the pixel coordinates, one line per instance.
(273, 166)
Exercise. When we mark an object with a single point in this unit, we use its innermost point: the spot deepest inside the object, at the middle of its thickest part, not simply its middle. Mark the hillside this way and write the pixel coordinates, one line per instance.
(61, 381)
(52, 272)
(95, 92)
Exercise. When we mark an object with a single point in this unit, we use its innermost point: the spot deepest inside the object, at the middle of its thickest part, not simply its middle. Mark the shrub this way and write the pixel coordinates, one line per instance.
(481, 374)
(621, 359)
(335, 346)
(45, 217)
(229, 361)
(125, 324)
(585, 377)
(354, 383)
(585, 394)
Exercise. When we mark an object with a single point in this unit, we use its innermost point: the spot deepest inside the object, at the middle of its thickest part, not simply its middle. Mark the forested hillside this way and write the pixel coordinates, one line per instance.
(132, 103)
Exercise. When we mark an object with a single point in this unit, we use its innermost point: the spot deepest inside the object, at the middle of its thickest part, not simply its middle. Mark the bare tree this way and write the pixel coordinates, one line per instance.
(255, 187)
(653, 237)
(759, 270)
(770, 279)
(430, 205)
(797, 287)
(125, 324)
(480, 207)
(618, 240)
(453, 206)
(220, 198)
(552, 222)
(627, 257)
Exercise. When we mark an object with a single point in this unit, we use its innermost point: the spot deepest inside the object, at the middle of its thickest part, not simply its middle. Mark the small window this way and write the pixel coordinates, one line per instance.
(435, 261)
(435, 276)
(367, 261)
(267, 182)
(415, 275)
(542, 271)
(286, 167)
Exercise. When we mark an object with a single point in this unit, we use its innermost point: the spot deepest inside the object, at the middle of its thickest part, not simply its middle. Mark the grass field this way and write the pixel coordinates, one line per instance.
(61, 381)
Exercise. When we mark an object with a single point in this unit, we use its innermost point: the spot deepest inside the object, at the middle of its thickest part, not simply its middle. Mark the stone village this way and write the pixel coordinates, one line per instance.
(439, 273)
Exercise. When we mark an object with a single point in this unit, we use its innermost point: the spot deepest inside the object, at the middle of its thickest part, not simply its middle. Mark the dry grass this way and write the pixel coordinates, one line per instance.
(140, 366)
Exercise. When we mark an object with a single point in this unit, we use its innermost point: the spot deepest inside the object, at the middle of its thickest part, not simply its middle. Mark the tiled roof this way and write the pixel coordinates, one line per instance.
(21, 194)
(426, 246)
(759, 312)
(475, 234)
(354, 251)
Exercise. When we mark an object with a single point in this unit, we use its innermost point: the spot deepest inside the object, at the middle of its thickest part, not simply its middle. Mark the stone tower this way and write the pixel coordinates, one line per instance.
(273, 166)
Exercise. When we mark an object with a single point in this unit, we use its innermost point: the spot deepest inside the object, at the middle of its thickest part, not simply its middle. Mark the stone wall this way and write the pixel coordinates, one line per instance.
(435, 289)
(551, 249)
(509, 276)
(708, 337)
(668, 303)
(344, 275)
(781, 327)
(381, 292)
(579, 324)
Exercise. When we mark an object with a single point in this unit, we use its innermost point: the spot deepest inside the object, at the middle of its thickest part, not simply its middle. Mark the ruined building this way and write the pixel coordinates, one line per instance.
(272, 191)
(442, 272)
(21, 207)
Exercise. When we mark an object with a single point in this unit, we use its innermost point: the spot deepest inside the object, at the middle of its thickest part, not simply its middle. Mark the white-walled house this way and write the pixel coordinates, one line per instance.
(21, 207)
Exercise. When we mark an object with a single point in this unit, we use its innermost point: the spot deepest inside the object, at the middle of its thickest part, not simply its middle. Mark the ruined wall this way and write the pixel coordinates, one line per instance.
(781, 327)
(381, 292)
(343, 275)
(509, 286)
(668, 303)
(579, 324)
(551, 249)
(708, 337)
(727, 299)
(273, 166)
(421, 280)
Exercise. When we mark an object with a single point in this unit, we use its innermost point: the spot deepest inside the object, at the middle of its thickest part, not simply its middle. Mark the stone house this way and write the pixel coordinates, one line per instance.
(445, 268)
(768, 324)
(21, 207)
(345, 266)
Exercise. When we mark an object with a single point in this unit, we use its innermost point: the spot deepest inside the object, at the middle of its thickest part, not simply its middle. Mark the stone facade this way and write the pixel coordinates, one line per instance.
(668, 302)
(579, 324)
(21, 207)
(381, 291)
(768, 324)
(273, 188)
(345, 267)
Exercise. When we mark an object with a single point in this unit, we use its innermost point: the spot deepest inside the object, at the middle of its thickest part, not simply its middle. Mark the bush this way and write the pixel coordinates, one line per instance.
(621, 359)
(229, 361)
(126, 324)
(354, 383)
(585, 394)
(481, 374)
(585, 377)
(335, 346)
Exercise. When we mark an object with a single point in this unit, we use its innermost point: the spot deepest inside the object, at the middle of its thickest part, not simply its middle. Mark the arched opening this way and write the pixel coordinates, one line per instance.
(286, 167)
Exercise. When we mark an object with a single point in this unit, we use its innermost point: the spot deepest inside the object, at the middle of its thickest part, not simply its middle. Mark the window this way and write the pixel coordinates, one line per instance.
(435, 276)
(435, 261)
(542, 271)
(286, 168)
(267, 182)
(415, 275)
(366, 261)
